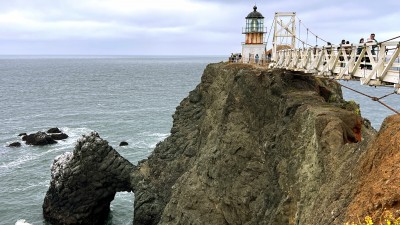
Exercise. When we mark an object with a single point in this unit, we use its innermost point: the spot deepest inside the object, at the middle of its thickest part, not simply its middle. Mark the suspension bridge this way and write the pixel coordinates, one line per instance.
(372, 63)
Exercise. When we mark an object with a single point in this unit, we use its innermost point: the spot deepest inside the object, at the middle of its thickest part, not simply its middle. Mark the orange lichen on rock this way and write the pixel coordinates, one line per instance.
(357, 129)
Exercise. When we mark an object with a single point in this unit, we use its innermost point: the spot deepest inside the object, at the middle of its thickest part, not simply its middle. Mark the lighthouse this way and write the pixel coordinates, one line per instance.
(253, 49)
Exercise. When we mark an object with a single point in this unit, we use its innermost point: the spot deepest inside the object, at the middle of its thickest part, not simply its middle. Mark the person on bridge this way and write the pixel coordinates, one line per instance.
(373, 41)
(340, 52)
(359, 49)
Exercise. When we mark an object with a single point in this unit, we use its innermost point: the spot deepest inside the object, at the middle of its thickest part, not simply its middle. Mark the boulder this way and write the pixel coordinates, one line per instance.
(14, 144)
(22, 134)
(39, 138)
(59, 136)
(123, 143)
(54, 130)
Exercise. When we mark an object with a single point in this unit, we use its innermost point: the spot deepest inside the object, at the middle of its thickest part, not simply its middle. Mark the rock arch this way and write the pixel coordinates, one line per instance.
(85, 181)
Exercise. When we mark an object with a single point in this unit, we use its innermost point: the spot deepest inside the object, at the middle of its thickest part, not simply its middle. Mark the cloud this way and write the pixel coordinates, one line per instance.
(177, 26)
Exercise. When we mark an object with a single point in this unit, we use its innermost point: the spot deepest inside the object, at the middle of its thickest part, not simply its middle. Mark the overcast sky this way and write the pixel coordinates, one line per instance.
(176, 27)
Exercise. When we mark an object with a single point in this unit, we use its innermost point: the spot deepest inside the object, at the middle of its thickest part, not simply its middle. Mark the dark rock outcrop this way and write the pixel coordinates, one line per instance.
(84, 182)
(59, 136)
(123, 143)
(254, 146)
(14, 144)
(54, 130)
(38, 138)
(22, 134)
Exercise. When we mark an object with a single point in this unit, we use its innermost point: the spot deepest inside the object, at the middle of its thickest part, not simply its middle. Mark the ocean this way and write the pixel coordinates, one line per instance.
(123, 98)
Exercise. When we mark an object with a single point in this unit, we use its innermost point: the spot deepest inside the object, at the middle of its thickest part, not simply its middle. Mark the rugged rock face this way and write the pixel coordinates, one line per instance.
(254, 146)
(379, 189)
(84, 182)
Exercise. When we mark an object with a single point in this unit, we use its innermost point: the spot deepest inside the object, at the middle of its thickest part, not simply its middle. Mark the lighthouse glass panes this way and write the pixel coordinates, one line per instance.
(254, 25)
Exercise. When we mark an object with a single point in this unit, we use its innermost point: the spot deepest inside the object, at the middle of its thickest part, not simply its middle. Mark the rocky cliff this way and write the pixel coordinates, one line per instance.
(254, 146)
(248, 146)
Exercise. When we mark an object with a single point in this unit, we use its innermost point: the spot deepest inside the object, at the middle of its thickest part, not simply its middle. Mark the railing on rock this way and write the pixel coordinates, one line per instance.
(372, 64)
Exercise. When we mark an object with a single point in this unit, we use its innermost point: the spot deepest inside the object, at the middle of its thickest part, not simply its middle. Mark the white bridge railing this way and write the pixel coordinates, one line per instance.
(373, 65)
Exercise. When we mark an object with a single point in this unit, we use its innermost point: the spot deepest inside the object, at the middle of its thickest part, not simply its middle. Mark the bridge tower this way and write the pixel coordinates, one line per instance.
(284, 32)
(254, 31)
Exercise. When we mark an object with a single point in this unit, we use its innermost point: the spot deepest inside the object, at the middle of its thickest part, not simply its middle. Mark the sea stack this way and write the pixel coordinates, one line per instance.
(84, 182)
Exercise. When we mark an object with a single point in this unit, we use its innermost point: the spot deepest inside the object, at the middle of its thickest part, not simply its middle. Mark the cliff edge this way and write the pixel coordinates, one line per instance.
(254, 146)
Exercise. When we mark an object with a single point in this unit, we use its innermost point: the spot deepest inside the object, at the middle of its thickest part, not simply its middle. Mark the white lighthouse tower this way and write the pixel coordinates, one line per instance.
(254, 46)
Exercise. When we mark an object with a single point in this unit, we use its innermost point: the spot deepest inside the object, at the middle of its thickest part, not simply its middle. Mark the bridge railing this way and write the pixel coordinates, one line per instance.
(372, 64)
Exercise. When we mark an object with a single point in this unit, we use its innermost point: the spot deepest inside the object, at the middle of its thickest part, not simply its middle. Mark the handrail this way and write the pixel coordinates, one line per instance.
(372, 63)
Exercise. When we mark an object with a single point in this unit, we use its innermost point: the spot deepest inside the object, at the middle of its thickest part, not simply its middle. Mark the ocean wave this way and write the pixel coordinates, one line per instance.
(19, 161)
(30, 185)
(149, 139)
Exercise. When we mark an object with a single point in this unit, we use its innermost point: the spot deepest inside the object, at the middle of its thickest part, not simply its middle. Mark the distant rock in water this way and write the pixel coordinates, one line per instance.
(14, 144)
(42, 138)
(123, 143)
(39, 138)
(59, 136)
(54, 130)
(84, 182)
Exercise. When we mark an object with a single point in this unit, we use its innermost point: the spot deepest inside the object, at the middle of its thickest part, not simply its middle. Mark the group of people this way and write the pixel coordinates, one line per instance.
(371, 40)
(235, 57)
(366, 59)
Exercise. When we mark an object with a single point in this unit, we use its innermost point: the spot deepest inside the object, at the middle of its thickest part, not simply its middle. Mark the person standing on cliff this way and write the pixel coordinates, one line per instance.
(257, 58)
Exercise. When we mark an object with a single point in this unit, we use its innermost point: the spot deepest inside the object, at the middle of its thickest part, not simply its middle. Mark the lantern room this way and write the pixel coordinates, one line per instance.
(254, 29)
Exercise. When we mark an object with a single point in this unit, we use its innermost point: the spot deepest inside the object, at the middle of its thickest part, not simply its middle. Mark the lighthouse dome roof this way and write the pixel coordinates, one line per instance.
(254, 14)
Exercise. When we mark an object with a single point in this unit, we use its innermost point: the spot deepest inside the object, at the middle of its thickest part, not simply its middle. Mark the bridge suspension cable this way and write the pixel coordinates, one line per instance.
(376, 99)
(309, 31)
(389, 40)
(269, 34)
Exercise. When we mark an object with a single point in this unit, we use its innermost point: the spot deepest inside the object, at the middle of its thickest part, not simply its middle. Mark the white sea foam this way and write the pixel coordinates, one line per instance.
(160, 135)
(30, 185)
(19, 161)
(22, 222)
(74, 134)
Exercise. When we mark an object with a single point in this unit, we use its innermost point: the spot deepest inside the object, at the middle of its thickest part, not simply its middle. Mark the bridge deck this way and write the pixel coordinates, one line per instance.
(374, 65)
